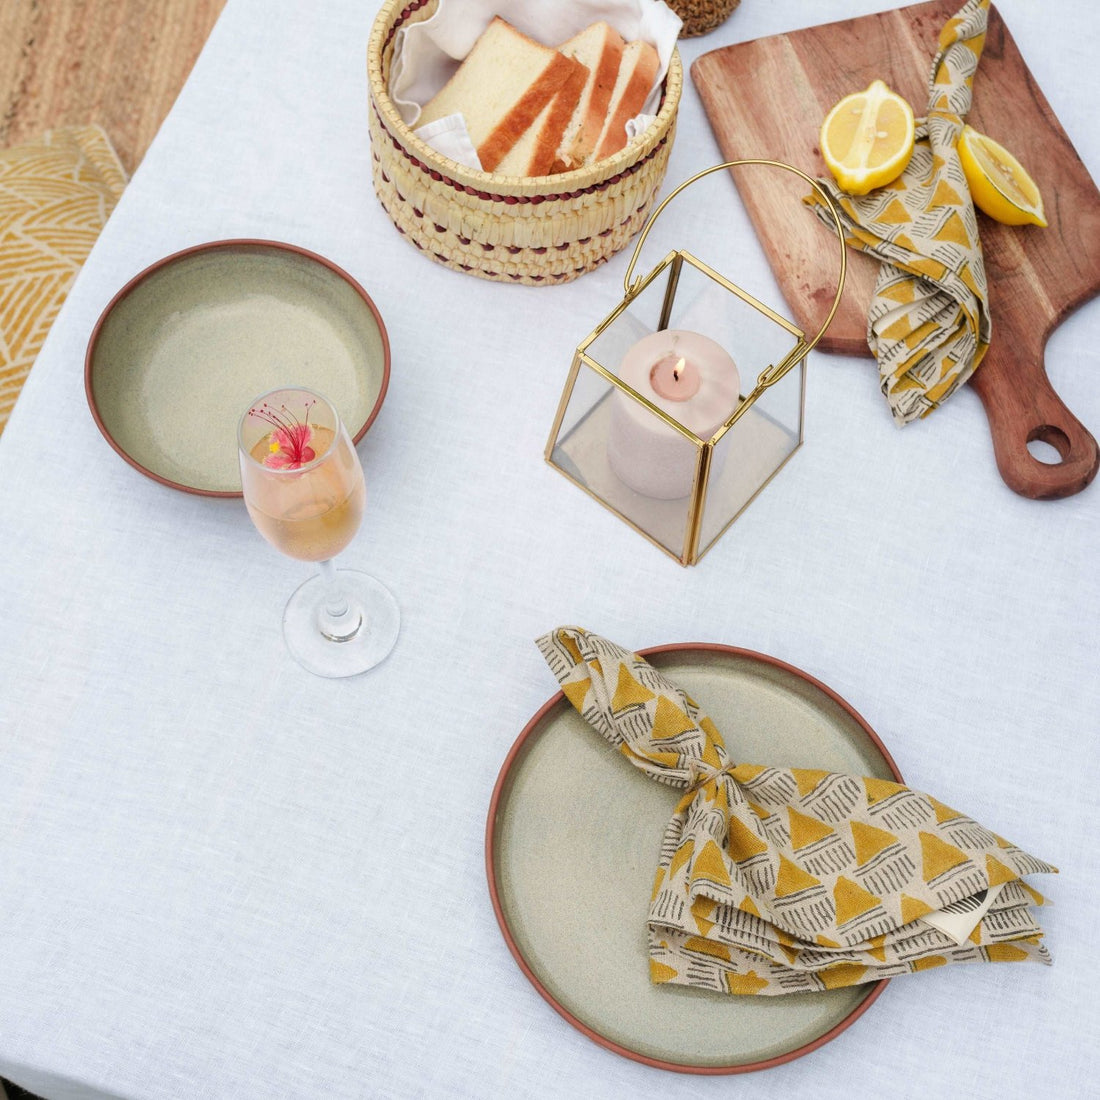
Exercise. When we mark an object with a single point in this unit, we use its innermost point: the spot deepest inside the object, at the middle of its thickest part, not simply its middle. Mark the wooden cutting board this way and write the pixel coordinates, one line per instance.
(1036, 276)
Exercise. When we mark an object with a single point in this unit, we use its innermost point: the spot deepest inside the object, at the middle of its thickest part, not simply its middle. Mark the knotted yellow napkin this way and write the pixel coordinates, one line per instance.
(784, 880)
(928, 324)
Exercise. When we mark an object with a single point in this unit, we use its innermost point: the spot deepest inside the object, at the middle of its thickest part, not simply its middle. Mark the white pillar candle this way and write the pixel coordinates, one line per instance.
(686, 375)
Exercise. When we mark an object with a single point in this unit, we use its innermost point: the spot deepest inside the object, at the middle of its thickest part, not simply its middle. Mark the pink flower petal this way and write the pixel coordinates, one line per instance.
(291, 447)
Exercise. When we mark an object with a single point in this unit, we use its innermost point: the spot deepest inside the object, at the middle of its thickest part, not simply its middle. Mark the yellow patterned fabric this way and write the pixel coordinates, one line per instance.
(778, 880)
(55, 196)
(928, 324)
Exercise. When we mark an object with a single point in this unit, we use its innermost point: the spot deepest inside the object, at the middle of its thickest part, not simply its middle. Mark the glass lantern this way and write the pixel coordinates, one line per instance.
(660, 420)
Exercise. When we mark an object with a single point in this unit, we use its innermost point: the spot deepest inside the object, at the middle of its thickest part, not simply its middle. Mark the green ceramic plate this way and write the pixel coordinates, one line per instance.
(184, 347)
(571, 847)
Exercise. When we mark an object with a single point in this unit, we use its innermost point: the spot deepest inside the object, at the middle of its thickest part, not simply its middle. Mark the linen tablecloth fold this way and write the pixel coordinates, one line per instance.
(778, 880)
(928, 324)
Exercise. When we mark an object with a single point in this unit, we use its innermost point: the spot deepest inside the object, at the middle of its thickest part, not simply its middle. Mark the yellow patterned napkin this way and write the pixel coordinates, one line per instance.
(785, 880)
(928, 324)
(55, 196)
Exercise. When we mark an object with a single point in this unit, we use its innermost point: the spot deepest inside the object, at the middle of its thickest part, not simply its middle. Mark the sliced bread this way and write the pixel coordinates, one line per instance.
(504, 84)
(637, 72)
(535, 152)
(599, 47)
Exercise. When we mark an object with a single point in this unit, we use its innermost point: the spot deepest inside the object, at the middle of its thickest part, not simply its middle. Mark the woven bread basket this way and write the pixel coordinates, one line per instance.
(539, 230)
(700, 16)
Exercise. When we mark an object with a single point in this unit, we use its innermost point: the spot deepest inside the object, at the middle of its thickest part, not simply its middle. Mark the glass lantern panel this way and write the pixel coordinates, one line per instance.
(699, 303)
(640, 318)
(622, 453)
(766, 434)
(754, 338)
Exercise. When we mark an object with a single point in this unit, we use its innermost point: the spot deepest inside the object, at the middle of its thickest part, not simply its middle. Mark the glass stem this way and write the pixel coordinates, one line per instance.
(338, 619)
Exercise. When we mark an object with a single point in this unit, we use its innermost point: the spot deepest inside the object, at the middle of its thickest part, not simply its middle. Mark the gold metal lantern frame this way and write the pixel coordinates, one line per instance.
(726, 471)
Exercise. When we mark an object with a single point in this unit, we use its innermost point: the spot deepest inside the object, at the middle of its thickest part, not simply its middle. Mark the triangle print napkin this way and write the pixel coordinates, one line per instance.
(776, 880)
(928, 324)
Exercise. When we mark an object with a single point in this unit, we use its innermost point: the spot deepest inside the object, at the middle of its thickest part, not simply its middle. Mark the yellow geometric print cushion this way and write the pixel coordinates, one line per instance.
(55, 196)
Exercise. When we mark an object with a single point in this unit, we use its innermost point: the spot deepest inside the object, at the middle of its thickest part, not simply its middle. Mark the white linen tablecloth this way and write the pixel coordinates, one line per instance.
(210, 882)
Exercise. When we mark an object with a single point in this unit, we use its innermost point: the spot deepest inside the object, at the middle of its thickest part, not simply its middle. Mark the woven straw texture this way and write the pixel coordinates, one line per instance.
(538, 231)
(700, 16)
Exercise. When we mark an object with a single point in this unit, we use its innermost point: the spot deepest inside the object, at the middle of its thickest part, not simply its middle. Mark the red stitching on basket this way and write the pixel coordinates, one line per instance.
(406, 13)
(512, 200)
(514, 249)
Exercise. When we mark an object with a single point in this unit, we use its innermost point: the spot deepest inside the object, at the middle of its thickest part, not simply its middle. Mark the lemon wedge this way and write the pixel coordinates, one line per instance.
(998, 183)
(867, 138)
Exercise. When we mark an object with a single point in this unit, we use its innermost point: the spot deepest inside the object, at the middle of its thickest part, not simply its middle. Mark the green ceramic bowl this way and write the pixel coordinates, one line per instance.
(182, 349)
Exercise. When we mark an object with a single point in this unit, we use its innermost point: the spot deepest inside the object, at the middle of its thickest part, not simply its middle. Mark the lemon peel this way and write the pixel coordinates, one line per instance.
(999, 184)
(867, 138)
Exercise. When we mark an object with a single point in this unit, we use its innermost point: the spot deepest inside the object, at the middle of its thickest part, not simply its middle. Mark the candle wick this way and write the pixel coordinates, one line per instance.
(676, 369)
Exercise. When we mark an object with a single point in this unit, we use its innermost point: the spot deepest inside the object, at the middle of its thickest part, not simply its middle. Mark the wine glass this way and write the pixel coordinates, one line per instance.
(304, 488)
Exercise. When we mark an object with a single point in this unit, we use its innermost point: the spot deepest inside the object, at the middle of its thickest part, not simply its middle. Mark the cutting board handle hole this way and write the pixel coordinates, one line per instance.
(1048, 444)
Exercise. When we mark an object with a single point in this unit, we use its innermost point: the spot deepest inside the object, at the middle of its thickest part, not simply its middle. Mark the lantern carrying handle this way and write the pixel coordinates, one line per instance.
(804, 346)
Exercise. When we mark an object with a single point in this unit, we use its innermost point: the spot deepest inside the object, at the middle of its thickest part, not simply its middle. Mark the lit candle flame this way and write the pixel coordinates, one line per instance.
(676, 369)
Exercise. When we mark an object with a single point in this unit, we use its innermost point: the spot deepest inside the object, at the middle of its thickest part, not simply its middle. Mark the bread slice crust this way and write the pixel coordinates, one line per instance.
(554, 94)
(600, 47)
(501, 88)
(636, 76)
(531, 110)
(535, 152)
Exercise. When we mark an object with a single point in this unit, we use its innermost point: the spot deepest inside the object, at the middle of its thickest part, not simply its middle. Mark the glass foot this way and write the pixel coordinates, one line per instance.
(367, 647)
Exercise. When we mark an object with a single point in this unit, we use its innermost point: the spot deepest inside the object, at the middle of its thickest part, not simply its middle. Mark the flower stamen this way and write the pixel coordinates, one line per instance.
(288, 442)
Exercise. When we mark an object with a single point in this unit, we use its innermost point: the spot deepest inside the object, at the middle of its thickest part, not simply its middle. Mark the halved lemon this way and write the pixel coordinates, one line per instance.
(999, 185)
(867, 138)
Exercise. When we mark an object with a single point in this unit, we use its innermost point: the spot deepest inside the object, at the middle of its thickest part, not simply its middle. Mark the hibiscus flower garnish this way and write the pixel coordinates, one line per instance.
(288, 443)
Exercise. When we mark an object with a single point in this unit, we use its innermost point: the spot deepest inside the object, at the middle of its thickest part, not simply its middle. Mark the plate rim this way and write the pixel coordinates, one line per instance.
(529, 731)
(225, 245)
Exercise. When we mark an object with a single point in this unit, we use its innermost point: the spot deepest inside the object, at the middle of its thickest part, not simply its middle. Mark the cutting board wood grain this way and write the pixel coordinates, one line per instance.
(766, 99)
